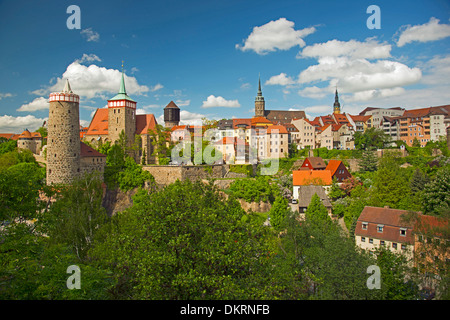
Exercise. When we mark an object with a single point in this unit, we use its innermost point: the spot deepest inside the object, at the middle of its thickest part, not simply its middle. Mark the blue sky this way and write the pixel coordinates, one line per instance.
(207, 55)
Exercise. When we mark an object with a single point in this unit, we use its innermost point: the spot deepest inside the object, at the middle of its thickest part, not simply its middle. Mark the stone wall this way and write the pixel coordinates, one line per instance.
(164, 175)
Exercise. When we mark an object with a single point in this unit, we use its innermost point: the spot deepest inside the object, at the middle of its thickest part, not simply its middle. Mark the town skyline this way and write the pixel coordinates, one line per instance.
(301, 51)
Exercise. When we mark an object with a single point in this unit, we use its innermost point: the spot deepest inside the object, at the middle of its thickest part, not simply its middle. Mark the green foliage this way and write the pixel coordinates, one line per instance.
(278, 213)
(316, 211)
(369, 161)
(19, 191)
(76, 214)
(133, 176)
(436, 194)
(185, 242)
(372, 138)
(162, 143)
(336, 154)
(7, 145)
(254, 190)
(242, 168)
(336, 191)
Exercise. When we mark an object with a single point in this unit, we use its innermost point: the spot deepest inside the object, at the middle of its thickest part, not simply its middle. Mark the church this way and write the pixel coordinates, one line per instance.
(281, 117)
(120, 115)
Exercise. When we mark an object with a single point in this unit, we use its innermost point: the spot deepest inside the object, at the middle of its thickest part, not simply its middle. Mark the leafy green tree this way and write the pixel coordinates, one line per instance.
(77, 213)
(133, 176)
(316, 210)
(254, 190)
(436, 194)
(185, 242)
(416, 143)
(7, 145)
(19, 191)
(278, 213)
(336, 191)
(372, 138)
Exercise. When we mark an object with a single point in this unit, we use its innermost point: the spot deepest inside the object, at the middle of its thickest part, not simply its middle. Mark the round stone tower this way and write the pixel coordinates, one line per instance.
(63, 140)
(171, 115)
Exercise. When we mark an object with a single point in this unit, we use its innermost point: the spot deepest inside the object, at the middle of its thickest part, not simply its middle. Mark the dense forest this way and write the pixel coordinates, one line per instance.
(188, 241)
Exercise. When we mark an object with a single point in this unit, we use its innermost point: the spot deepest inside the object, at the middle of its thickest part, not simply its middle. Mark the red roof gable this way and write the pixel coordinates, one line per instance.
(87, 151)
(99, 123)
(145, 122)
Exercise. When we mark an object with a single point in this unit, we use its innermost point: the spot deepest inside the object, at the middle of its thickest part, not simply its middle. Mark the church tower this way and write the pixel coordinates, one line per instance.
(336, 105)
(63, 139)
(121, 115)
(259, 102)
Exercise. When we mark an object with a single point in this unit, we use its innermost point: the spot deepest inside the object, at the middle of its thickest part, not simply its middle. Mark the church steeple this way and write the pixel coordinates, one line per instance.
(259, 101)
(336, 105)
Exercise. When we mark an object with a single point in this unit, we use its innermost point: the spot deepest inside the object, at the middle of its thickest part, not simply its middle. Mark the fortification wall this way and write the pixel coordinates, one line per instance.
(165, 175)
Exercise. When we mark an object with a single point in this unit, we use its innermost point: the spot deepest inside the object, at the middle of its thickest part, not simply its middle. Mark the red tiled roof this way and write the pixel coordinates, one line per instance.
(145, 122)
(281, 129)
(359, 118)
(311, 177)
(333, 165)
(247, 122)
(99, 123)
(9, 136)
(256, 120)
(87, 151)
(392, 221)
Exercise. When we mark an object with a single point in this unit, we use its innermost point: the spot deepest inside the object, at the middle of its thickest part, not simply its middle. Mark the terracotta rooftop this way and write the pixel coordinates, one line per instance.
(99, 123)
(9, 136)
(145, 122)
(311, 177)
(242, 122)
(87, 151)
(316, 162)
(281, 129)
(333, 165)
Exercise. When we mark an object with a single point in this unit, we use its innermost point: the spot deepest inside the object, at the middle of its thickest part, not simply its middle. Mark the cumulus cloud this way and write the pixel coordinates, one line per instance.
(90, 35)
(94, 81)
(10, 124)
(360, 74)
(370, 49)
(313, 92)
(279, 34)
(40, 103)
(430, 31)
(213, 101)
(282, 79)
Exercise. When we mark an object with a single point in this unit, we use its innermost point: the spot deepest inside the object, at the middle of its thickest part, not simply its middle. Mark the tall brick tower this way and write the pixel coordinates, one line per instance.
(260, 104)
(63, 140)
(121, 115)
(336, 105)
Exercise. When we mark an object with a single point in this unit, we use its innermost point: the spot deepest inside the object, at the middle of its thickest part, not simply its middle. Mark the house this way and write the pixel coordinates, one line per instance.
(386, 227)
(304, 194)
(313, 163)
(378, 114)
(234, 150)
(311, 177)
(338, 170)
(306, 133)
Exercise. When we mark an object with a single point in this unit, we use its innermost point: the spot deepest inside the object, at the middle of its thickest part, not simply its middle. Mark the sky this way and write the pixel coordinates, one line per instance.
(207, 56)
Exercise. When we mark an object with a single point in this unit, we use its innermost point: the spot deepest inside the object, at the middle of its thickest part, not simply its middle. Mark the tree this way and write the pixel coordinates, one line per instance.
(133, 176)
(416, 143)
(185, 242)
(368, 161)
(316, 211)
(372, 138)
(162, 143)
(336, 191)
(436, 194)
(278, 213)
(418, 181)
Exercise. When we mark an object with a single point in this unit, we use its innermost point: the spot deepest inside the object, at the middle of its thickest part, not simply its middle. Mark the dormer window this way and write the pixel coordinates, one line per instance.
(380, 228)
(364, 225)
(403, 232)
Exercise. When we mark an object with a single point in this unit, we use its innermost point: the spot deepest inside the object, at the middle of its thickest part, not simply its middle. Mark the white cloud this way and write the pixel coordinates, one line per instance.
(313, 92)
(375, 94)
(352, 75)
(5, 95)
(436, 71)
(280, 79)
(183, 103)
(156, 87)
(94, 81)
(134, 70)
(279, 34)
(370, 49)
(318, 110)
(213, 101)
(90, 35)
(10, 124)
(40, 103)
(88, 58)
(430, 31)
(246, 86)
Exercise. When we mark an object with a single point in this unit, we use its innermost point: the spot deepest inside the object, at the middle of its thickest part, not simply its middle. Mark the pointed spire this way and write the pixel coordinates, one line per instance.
(122, 83)
(259, 86)
(67, 88)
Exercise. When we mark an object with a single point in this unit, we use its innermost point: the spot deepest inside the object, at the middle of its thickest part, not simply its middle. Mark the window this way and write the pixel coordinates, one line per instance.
(394, 245)
(403, 246)
(403, 232)
(364, 225)
(363, 239)
(382, 243)
(380, 228)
